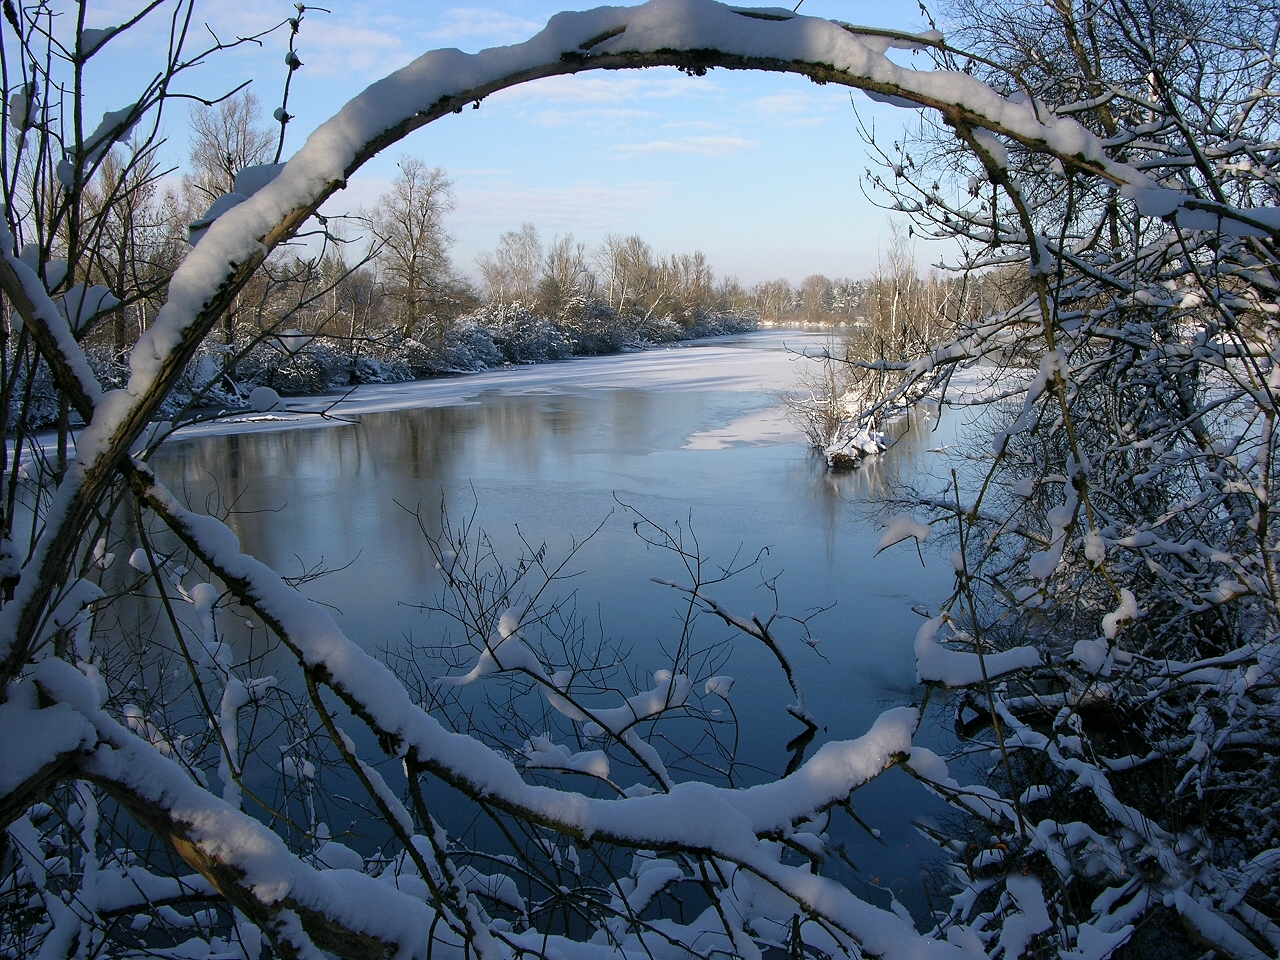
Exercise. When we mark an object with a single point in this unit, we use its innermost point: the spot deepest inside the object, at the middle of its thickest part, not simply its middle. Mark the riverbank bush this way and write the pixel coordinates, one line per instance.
(218, 376)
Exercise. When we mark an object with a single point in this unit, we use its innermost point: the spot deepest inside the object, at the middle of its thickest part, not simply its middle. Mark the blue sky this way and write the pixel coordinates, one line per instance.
(760, 172)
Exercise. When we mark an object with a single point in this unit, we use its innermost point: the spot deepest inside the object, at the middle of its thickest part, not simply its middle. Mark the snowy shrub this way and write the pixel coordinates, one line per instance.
(311, 371)
(34, 402)
(853, 442)
(522, 336)
(594, 328)
(370, 370)
(422, 360)
(261, 362)
(722, 324)
(470, 346)
(658, 329)
(1112, 533)
(465, 346)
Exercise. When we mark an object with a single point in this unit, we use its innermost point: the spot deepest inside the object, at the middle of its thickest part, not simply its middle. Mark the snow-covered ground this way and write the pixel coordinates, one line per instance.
(767, 360)
(757, 426)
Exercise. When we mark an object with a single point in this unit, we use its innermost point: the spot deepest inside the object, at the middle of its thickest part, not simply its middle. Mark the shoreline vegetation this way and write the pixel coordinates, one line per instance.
(290, 363)
(852, 407)
(375, 297)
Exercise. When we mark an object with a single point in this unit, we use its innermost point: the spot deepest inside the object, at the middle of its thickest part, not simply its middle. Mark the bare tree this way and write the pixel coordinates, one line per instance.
(512, 273)
(412, 246)
(1118, 525)
(566, 274)
(633, 280)
(815, 297)
(225, 139)
(139, 241)
(692, 285)
(773, 299)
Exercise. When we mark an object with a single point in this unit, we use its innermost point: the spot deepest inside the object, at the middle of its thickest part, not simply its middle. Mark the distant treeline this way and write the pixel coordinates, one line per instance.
(379, 299)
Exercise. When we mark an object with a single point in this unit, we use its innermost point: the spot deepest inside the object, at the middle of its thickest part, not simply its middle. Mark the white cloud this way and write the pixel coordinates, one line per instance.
(361, 40)
(802, 122)
(792, 109)
(578, 206)
(360, 192)
(787, 102)
(490, 26)
(711, 126)
(426, 25)
(344, 49)
(707, 146)
(476, 173)
(600, 118)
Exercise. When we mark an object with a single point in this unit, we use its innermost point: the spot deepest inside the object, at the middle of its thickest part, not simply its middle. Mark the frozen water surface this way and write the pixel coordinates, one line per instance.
(692, 435)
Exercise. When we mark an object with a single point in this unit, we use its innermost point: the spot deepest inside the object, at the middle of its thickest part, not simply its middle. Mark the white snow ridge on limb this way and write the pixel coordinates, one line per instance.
(955, 668)
(897, 529)
(541, 752)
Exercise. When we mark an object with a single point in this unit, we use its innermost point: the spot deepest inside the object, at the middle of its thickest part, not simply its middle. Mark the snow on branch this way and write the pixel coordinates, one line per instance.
(48, 325)
(343, 911)
(38, 745)
(694, 34)
(376, 693)
(956, 668)
(735, 832)
(897, 529)
(724, 823)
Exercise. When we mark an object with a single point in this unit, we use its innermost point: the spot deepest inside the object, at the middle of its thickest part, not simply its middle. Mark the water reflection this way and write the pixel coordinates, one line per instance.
(555, 459)
(556, 464)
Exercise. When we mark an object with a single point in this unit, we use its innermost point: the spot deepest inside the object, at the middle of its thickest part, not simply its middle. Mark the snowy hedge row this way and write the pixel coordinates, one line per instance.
(492, 336)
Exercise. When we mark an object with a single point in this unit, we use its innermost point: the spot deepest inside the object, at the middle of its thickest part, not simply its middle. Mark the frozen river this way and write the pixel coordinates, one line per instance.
(693, 435)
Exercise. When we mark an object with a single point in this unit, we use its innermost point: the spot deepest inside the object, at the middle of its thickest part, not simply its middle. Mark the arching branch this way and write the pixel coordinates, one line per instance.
(691, 35)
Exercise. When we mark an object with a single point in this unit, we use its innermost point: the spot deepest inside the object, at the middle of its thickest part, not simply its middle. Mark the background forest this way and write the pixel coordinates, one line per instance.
(375, 297)
(369, 298)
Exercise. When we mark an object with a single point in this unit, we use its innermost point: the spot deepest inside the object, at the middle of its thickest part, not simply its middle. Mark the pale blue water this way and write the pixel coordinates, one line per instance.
(693, 435)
